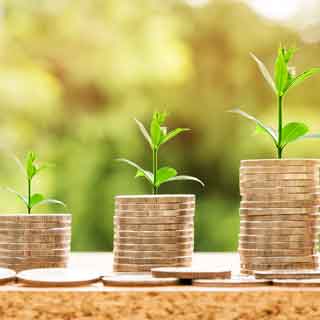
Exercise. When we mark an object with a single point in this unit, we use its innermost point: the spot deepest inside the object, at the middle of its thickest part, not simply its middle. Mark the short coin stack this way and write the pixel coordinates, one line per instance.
(153, 231)
(279, 214)
(34, 241)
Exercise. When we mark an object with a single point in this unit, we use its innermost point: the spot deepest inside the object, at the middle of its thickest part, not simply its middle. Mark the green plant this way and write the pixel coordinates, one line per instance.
(156, 137)
(30, 170)
(284, 79)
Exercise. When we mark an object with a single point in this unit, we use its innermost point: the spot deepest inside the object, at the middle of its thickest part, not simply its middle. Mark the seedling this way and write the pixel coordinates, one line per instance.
(284, 79)
(156, 137)
(30, 170)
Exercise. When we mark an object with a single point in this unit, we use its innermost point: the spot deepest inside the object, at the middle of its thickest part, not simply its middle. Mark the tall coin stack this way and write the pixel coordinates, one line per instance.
(278, 214)
(153, 231)
(34, 240)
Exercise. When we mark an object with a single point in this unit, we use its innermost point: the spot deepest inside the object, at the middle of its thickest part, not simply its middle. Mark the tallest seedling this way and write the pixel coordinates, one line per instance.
(284, 79)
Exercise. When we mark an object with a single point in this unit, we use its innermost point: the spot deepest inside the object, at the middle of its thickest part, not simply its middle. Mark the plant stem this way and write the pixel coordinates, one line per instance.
(29, 196)
(279, 127)
(155, 169)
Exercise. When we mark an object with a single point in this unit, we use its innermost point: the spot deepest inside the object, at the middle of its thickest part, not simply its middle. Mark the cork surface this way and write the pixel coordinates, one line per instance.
(175, 302)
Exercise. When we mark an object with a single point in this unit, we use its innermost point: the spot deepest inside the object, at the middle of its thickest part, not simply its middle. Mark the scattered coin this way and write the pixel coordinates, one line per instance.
(6, 275)
(288, 274)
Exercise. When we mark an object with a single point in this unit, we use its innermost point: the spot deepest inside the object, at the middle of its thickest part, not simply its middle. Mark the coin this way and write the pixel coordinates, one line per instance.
(31, 259)
(278, 211)
(277, 196)
(35, 246)
(151, 254)
(143, 268)
(154, 220)
(35, 238)
(160, 206)
(288, 274)
(278, 204)
(6, 275)
(275, 237)
(279, 162)
(37, 218)
(278, 176)
(278, 224)
(277, 183)
(280, 259)
(282, 190)
(136, 280)
(276, 252)
(297, 283)
(151, 260)
(279, 231)
(172, 198)
(34, 253)
(154, 240)
(154, 247)
(22, 232)
(265, 245)
(312, 218)
(289, 265)
(234, 282)
(277, 169)
(155, 213)
(155, 234)
(20, 267)
(34, 225)
(191, 273)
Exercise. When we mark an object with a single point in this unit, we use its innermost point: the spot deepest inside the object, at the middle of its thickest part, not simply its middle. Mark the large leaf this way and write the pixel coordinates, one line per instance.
(172, 134)
(30, 167)
(163, 174)
(184, 177)
(264, 72)
(270, 131)
(19, 195)
(147, 174)
(293, 131)
(281, 72)
(144, 131)
(35, 199)
(303, 76)
(51, 201)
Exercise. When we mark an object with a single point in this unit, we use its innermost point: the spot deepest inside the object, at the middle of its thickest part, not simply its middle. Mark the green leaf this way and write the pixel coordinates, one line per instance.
(281, 71)
(147, 174)
(163, 174)
(144, 131)
(172, 134)
(51, 201)
(293, 131)
(303, 76)
(30, 167)
(184, 177)
(264, 72)
(266, 129)
(35, 199)
(155, 132)
(19, 195)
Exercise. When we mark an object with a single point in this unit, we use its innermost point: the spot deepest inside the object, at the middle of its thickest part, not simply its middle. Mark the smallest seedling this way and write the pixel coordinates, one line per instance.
(30, 170)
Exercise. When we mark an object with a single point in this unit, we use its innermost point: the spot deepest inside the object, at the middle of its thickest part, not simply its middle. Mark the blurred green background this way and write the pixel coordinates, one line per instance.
(74, 73)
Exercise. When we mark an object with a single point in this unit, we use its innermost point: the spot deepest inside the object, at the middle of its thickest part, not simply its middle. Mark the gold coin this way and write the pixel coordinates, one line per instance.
(234, 282)
(162, 233)
(277, 197)
(159, 206)
(276, 184)
(278, 211)
(150, 260)
(21, 232)
(172, 198)
(279, 260)
(154, 247)
(265, 245)
(282, 190)
(36, 218)
(315, 283)
(26, 266)
(278, 176)
(279, 162)
(290, 265)
(310, 218)
(34, 253)
(151, 254)
(120, 267)
(155, 213)
(288, 274)
(32, 226)
(269, 239)
(279, 224)
(33, 259)
(154, 240)
(278, 231)
(276, 252)
(278, 204)
(35, 238)
(35, 246)
(153, 220)
(150, 227)
(277, 169)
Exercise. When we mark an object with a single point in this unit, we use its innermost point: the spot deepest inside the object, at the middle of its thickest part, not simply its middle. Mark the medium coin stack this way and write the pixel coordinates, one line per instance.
(279, 219)
(34, 240)
(153, 231)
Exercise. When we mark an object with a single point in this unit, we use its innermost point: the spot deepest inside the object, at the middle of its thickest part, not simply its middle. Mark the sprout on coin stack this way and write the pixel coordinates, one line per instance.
(154, 230)
(34, 240)
(279, 207)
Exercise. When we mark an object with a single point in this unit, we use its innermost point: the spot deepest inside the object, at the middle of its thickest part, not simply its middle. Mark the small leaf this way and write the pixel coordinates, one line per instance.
(264, 72)
(172, 134)
(281, 72)
(35, 199)
(20, 196)
(163, 174)
(147, 174)
(155, 132)
(30, 167)
(51, 201)
(293, 131)
(183, 177)
(270, 131)
(303, 76)
(144, 131)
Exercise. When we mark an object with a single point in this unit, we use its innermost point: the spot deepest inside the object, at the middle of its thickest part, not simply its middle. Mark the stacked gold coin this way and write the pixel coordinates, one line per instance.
(34, 241)
(279, 219)
(153, 231)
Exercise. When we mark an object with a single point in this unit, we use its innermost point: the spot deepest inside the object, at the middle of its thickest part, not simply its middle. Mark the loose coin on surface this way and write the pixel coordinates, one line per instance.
(191, 273)
(288, 274)
(6, 275)
(297, 283)
(234, 282)
(137, 280)
(58, 277)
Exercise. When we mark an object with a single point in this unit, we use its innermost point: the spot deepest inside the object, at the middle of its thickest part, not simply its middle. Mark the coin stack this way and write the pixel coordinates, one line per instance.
(34, 240)
(153, 231)
(279, 214)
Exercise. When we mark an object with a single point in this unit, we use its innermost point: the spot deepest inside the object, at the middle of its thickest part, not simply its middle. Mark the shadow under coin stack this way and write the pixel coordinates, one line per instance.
(153, 231)
(34, 240)
(278, 214)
